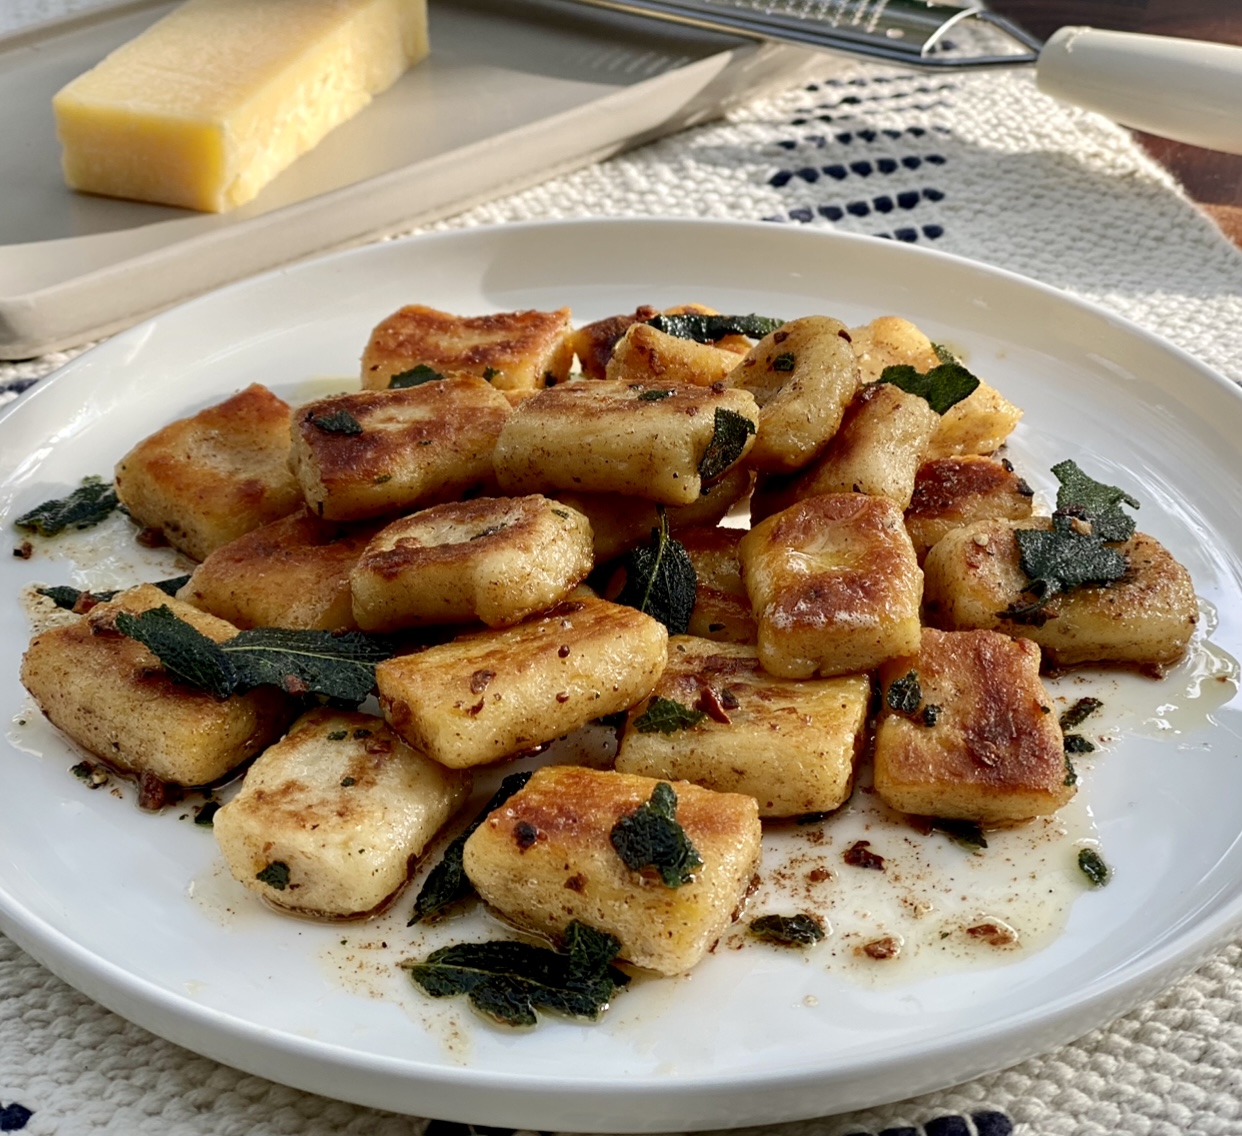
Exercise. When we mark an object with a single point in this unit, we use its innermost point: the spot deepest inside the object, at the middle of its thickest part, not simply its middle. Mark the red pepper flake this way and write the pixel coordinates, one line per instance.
(562, 652)
(562, 697)
(994, 934)
(885, 948)
(576, 883)
(858, 856)
(24, 551)
(708, 703)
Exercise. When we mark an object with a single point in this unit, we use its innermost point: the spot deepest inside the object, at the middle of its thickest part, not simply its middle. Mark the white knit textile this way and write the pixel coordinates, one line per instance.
(1004, 176)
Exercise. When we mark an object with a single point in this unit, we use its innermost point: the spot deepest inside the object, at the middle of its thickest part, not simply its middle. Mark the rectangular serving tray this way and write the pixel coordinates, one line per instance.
(512, 94)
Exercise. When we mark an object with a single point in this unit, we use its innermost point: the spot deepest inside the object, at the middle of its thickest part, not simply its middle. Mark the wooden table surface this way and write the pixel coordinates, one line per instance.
(1213, 180)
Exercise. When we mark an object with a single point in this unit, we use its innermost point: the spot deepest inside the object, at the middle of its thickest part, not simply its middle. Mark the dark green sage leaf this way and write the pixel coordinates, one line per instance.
(185, 651)
(338, 422)
(338, 666)
(335, 665)
(660, 580)
(801, 930)
(416, 376)
(654, 395)
(667, 716)
(1076, 743)
(86, 506)
(509, 981)
(1077, 714)
(784, 362)
(67, 598)
(904, 695)
(943, 386)
(275, 875)
(1058, 559)
(446, 882)
(709, 329)
(1102, 503)
(206, 813)
(728, 442)
(650, 837)
(1093, 867)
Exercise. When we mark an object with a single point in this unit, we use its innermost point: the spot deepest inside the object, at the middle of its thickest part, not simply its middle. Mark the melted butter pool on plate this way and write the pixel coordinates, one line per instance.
(935, 906)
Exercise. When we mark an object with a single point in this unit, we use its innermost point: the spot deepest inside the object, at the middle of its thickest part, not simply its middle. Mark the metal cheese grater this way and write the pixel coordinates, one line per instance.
(913, 32)
(1178, 88)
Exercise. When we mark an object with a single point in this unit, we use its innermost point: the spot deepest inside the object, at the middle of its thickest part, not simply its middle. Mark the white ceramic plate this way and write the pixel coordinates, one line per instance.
(101, 894)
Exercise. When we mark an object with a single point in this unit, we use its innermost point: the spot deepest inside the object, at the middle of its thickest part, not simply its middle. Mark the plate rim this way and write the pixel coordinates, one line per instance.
(1059, 1021)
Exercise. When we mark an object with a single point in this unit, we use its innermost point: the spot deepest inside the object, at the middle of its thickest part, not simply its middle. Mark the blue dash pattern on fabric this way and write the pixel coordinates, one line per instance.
(13, 1117)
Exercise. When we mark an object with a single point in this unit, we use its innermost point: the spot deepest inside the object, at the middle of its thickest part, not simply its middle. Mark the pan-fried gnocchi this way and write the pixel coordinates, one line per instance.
(493, 559)
(790, 745)
(331, 819)
(644, 440)
(460, 516)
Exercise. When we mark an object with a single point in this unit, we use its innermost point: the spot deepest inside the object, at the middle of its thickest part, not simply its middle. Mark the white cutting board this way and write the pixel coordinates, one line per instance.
(511, 94)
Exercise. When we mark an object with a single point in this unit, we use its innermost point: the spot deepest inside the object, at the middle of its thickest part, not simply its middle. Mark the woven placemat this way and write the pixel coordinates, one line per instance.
(981, 166)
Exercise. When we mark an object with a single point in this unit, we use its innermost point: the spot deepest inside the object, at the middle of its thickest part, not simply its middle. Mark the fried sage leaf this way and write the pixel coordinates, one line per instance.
(86, 506)
(338, 422)
(667, 716)
(728, 440)
(446, 883)
(186, 652)
(651, 838)
(341, 667)
(709, 329)
(943, 386)
(1092, 865)
(660, 580)
(1077, 714)
(509, 981)
(801, 930)
(1102, 503)
(1058, 559)
(65, 597)
(275, 875)
(417, 375)
(904, 695)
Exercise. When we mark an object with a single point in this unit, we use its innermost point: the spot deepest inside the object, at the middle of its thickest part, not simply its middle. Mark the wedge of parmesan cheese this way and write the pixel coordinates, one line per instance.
(209, 104)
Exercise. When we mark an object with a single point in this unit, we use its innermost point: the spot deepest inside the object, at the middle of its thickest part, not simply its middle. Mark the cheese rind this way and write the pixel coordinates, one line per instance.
(209, 104)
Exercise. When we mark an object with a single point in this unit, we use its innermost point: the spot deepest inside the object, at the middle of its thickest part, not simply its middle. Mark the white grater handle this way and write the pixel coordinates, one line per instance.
(1182, 89)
